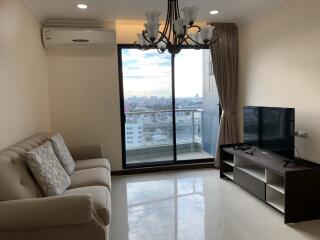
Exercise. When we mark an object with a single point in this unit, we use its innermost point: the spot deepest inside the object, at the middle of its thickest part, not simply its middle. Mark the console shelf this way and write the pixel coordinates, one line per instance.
(277, 203)
(229, 162)
(254, 171)
(229, 175)
(293, 190)
(277, 186)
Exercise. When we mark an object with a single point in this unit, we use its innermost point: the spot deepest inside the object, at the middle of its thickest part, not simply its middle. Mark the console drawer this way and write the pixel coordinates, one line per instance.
(250, 183)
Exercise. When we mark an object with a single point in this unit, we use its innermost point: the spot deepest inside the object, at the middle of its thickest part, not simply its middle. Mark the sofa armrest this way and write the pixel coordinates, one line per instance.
(46, 212)
(86, 152)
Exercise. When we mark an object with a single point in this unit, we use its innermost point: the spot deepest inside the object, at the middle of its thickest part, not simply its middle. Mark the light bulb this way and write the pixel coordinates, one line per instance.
(82, 6)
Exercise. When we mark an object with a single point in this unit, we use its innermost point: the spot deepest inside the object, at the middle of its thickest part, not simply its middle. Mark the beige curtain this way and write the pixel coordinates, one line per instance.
(225, 68)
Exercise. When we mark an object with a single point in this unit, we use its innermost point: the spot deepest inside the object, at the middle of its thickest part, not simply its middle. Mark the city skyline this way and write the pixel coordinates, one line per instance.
(154, 103)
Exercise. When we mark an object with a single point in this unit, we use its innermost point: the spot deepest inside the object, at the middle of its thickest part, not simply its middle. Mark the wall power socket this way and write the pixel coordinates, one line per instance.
(301, 134)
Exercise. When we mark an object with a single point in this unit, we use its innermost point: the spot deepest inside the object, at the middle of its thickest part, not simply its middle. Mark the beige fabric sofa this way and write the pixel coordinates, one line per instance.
(82, 212)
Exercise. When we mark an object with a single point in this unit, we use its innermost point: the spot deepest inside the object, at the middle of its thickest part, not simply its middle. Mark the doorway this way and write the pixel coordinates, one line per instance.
(169, 107)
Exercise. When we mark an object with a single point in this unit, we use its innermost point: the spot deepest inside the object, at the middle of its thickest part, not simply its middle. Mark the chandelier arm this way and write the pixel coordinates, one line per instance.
(195, 26)
(170, 19)
(161, 39)
(178, 9)
(185, 41)
(177, 16)
(181, 40)
(144, 32)
(163, 36)
(162, 50)
(166, 26)
(189, 37)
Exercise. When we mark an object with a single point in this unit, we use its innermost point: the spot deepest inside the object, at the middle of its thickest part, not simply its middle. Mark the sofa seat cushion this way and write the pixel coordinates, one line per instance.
(101, 200)
(91, 177)
(93, 163)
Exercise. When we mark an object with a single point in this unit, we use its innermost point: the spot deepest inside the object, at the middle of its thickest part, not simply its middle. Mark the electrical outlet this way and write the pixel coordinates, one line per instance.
(301, 134)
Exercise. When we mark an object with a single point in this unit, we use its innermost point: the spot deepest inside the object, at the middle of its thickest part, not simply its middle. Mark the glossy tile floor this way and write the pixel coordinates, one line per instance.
(195, 205)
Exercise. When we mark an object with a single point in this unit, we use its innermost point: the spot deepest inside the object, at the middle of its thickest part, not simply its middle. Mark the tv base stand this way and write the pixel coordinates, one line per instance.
(294, 190)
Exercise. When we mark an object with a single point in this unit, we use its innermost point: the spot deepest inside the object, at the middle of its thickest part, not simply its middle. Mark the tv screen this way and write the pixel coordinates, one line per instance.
(270, 128)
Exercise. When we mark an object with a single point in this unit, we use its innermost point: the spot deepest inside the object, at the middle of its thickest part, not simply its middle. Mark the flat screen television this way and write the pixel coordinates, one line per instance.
(270, 128)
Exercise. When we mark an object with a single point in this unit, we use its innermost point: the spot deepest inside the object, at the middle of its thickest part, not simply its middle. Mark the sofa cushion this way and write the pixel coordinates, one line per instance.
(47, 170)
(92, 163)
(91, 177)
(62, 152)
(101, 200)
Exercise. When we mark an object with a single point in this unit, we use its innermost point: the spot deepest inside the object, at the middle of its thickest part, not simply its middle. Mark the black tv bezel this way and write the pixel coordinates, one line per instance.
(292, 155)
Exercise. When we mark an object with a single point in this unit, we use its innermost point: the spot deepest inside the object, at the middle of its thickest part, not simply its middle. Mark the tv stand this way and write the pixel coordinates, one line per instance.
(293, 190)
(286, 163)
(296, 162)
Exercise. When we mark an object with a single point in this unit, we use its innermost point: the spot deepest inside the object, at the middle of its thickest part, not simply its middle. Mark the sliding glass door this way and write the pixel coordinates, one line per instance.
(196, 105)
(147, 107)
(162, 107)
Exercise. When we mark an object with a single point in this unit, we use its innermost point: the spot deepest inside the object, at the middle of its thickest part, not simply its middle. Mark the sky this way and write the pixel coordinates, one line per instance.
(148, 73)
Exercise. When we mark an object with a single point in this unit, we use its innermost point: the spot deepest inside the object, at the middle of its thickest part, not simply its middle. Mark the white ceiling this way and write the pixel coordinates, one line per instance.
(238, 11)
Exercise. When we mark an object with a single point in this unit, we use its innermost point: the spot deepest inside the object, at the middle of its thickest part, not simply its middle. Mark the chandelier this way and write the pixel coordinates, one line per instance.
(177, 31)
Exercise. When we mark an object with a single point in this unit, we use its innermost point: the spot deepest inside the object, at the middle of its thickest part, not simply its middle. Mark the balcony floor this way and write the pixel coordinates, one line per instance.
(185, 156)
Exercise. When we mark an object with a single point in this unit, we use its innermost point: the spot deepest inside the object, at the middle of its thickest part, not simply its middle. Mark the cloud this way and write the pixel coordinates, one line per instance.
(149, 73)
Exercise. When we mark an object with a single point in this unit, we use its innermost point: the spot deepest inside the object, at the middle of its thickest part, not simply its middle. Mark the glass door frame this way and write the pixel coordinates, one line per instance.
(123, 117)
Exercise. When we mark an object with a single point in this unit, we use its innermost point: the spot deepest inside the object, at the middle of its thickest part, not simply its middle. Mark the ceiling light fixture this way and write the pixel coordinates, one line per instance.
(214, 12)
(82, 6)
(177, 31)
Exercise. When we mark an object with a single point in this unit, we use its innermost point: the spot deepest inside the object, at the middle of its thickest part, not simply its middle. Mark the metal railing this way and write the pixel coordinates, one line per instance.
(145, 129)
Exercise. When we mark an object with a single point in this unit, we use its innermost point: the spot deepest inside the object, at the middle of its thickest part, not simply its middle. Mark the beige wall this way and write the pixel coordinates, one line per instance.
(280, 66)
(24, 97)
(127, 31)
(84, 94)
(84, 98)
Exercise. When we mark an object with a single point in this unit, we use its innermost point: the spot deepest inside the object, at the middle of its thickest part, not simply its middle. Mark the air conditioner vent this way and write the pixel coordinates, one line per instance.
(80, 40)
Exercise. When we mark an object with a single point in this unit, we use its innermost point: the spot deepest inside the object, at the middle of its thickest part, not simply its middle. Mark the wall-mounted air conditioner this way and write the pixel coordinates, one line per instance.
(76, 37)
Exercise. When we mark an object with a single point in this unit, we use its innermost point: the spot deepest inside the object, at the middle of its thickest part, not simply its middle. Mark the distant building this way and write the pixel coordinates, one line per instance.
(134, 136)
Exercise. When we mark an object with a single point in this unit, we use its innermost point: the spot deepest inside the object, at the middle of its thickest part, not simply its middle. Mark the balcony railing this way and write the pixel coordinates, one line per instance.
(146, 129)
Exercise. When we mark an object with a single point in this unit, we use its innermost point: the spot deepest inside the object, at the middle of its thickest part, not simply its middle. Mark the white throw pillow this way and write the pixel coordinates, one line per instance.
(47, 170)
(63, 154)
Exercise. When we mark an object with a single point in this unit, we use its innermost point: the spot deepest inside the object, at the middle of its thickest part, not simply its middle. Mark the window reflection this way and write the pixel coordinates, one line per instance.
(170, 207)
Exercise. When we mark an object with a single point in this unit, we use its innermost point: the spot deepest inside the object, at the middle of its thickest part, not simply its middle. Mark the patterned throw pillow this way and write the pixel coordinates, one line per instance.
(63, 154)
(47, 170)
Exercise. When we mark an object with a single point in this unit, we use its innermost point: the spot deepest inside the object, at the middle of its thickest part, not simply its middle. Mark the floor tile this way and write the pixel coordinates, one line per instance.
(195, 205)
